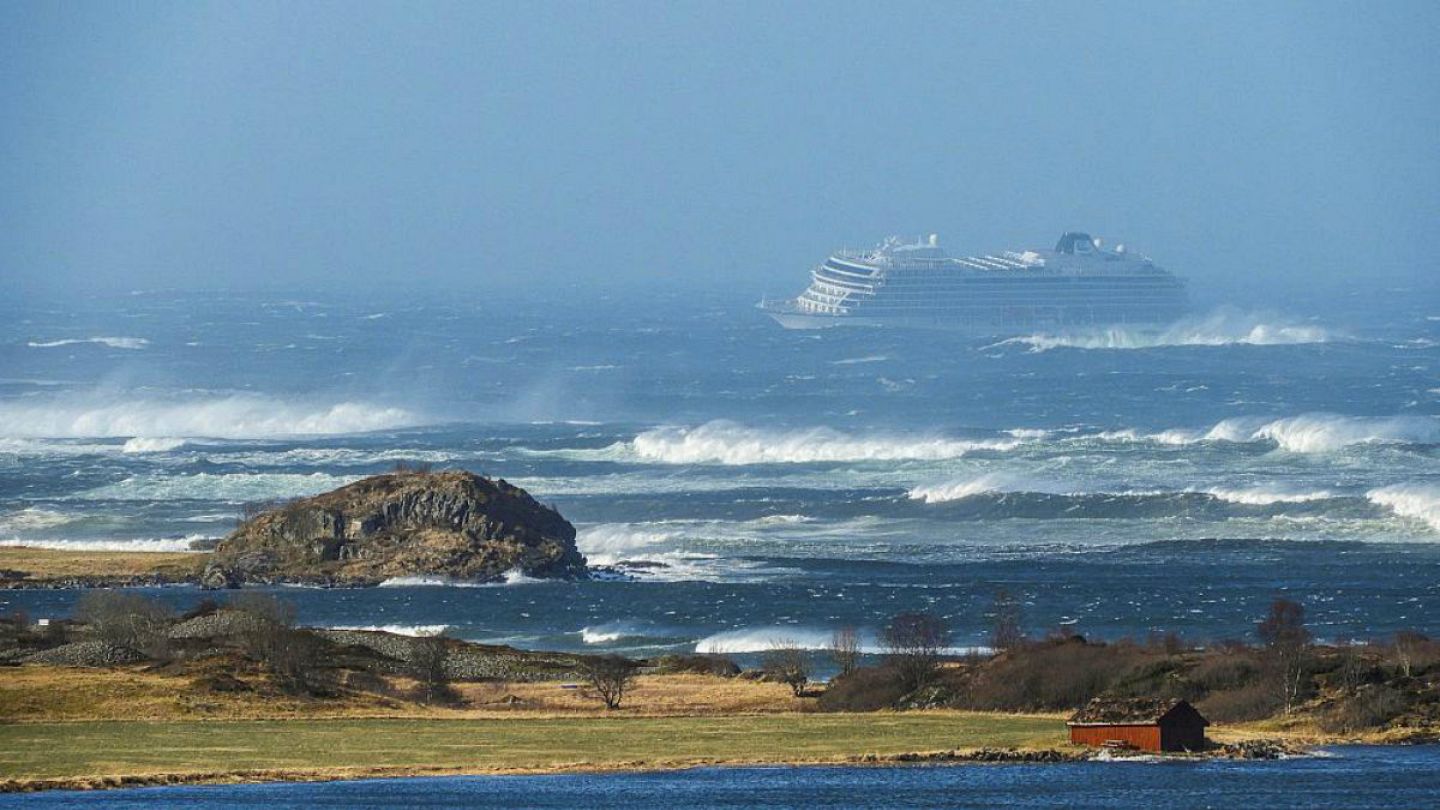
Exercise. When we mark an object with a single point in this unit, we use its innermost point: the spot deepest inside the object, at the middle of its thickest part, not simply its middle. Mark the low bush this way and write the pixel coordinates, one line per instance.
(865, 689)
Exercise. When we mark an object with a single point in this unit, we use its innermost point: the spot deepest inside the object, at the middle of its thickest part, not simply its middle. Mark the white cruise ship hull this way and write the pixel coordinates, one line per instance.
(1078, 285)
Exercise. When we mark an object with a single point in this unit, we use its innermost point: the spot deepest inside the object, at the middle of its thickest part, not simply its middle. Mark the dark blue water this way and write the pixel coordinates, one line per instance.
(1348, 777)
(754, 483)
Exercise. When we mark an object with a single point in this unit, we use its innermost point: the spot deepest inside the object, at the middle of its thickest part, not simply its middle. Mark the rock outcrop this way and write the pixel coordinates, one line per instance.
(451, 524)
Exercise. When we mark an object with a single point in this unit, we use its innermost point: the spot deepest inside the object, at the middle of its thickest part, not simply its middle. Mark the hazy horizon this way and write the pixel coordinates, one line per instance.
(474, 147)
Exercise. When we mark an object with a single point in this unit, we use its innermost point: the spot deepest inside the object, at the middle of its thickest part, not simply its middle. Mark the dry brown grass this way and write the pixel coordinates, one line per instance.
(47, 564)
(32, 694)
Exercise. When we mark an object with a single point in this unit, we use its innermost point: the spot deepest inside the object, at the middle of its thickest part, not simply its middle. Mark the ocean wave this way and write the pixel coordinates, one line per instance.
(1220, 328)
(157, 445)
(762, 639)
(416, 630)
(1418, 501)
(1268, 495)
(730, 443)
(231, 417)
(33, 519)
(231, 487)
(979, 485)
(1325, 432)
(143, 545)
(132, 343)
(511, 577)
(608, 543)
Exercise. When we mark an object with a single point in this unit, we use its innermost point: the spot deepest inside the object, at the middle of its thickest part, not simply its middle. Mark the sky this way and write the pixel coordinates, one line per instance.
(617, 145)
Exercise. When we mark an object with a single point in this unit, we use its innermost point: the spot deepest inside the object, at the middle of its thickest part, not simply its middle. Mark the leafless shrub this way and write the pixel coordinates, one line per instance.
(1254, 702)
(610, 676)
(865, 689)
(1413, 652)
(1005, 622)
(1284, 633)
(429, 662)
(845, 649)
(912, 643)
(785, 663)
(127, 620)
(293, 657)
(1369, 708)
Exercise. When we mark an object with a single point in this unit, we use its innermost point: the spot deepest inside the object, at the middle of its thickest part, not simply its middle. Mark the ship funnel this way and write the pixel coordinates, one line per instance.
(934, 240)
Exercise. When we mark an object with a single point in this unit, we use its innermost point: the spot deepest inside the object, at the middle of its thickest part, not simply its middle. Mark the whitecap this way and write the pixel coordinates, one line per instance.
(730, 443)
(141, 444)
(132, 343)
(231, 417)
(1268, 495)
(1223, 327)
(1418, 501)
(143, 545)
(415, 630)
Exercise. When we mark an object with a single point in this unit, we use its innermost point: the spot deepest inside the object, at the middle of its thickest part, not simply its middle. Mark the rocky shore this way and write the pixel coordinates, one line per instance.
(452, 525)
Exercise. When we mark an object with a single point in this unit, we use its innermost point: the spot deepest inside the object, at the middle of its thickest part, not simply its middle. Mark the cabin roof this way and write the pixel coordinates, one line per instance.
(1104, 711)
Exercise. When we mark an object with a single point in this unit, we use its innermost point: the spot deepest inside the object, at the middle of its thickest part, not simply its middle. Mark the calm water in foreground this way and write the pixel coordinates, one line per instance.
(1346, 776)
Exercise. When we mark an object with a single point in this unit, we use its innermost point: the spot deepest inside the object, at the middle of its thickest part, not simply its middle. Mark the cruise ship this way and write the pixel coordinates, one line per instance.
(1078, 284)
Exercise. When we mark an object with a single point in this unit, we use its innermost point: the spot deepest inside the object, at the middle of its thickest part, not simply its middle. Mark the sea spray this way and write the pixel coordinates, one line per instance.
(725, 442)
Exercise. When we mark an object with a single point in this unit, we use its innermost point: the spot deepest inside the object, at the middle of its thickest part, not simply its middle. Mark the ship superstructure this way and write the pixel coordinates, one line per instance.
(1078, 284)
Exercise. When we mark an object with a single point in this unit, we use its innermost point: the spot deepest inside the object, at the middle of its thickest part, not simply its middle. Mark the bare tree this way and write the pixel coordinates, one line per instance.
(610, 676)
(912, 643)
(127, 620)
(845, 649)
(267, 633)
(1005, 629)
(429, 665)
(787, 664)
(1407, 645)
(1288, 641)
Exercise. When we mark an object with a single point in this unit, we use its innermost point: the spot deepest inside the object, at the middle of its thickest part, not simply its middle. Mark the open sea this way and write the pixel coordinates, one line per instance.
(752, 483)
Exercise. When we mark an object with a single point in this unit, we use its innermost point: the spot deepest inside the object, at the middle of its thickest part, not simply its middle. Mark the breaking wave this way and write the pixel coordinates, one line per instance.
(761, 639)
(1222, 328)
(1265, 496)
(111, 342)
(1324, 432)
(232, 417)
(143, 445)
(724, 442)
(608, 543)
(233, 487)
(1419, 501)
(416, 630)
(980, 485)
(166, 544)
(32, 519)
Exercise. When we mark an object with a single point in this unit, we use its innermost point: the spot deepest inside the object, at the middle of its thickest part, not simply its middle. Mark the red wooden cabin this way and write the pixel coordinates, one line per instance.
(1147, 724)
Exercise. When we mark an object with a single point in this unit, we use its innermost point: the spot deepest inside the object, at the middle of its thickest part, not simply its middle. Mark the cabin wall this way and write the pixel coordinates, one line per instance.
(1183, 737)
(1145, 738)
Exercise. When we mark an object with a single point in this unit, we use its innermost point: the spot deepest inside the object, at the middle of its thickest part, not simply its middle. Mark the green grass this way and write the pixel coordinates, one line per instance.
(92, 749)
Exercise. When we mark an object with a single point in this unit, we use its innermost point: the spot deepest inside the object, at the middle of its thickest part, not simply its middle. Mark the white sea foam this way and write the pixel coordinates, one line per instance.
(855, 361)
(158, 445)
(1220, 328)
(608, 543)
(33, 519)
(231, 417)
(1324, 432)
(1418, 501)
(165, 544)
(761, 639)
(978, 485)
(417, 630)
(232, 487)
(1267, 495)
(112, 342)
(723, 442)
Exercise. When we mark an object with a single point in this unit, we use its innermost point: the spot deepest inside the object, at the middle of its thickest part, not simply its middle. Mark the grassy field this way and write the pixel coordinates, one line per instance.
(40, 564)
(297, 748)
